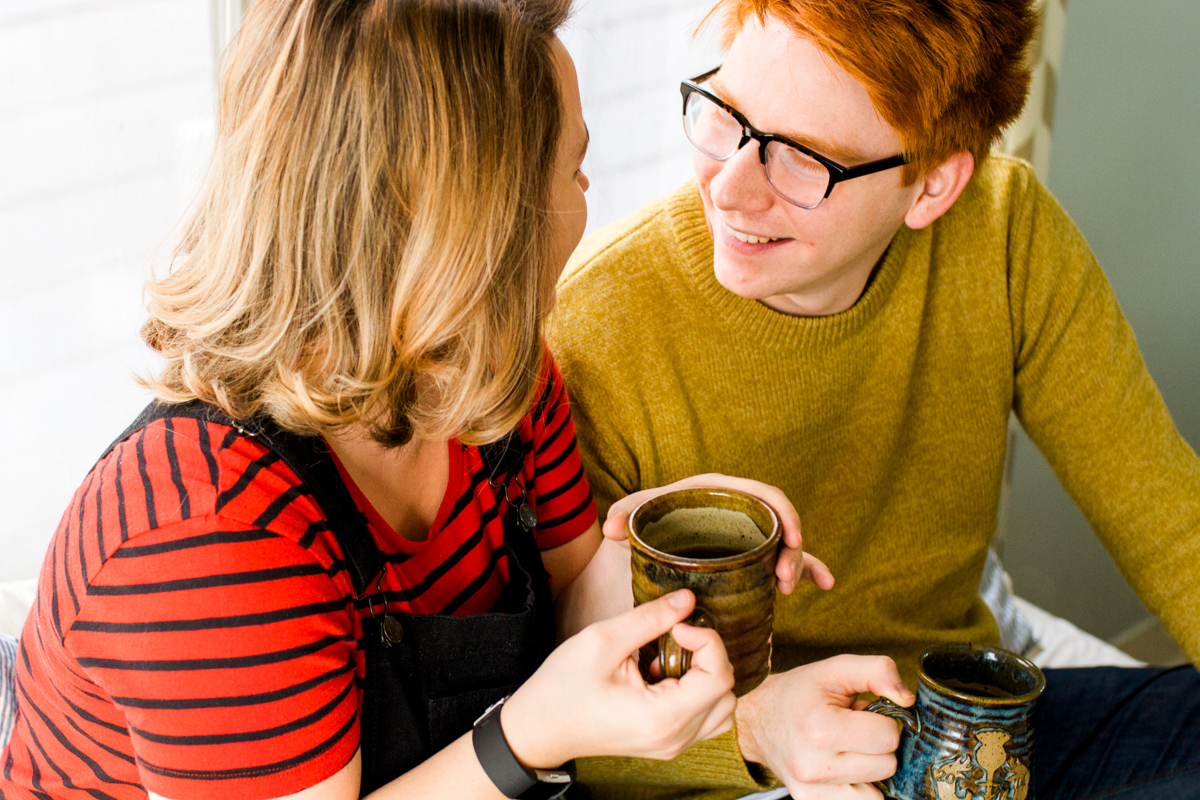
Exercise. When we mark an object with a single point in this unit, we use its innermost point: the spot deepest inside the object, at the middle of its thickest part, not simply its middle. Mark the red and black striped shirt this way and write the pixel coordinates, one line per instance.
(195, 629)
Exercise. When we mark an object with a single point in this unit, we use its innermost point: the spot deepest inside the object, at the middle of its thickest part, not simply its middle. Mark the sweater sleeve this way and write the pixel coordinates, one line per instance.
(1086, 399)
(713, 769)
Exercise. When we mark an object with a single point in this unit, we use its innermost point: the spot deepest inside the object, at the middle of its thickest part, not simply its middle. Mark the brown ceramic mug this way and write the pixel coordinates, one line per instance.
(722, 545)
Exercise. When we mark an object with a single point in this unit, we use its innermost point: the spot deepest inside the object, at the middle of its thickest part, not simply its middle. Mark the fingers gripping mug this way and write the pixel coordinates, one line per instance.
(969, 736)
(722, 545)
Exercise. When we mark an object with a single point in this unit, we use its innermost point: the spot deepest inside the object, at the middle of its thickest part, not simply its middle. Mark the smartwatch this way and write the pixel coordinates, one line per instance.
(511, 777)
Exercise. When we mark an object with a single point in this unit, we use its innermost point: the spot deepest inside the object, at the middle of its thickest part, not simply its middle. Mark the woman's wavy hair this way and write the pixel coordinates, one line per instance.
(371, 243)
(947, 75)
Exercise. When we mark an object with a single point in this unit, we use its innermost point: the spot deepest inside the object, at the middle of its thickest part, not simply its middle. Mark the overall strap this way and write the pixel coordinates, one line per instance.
(504, 461)
(310, 459)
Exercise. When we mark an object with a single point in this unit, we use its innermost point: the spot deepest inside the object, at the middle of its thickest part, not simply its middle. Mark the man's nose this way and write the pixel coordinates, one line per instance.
(741, 184)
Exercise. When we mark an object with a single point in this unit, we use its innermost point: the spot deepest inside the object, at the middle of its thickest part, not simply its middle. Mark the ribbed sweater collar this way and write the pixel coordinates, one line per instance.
(751, 318)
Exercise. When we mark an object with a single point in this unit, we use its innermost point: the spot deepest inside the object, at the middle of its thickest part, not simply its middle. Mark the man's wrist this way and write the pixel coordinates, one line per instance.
(744, 717)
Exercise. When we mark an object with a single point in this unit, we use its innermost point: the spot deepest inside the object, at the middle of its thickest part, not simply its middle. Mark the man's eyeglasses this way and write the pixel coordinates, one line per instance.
(796, 173)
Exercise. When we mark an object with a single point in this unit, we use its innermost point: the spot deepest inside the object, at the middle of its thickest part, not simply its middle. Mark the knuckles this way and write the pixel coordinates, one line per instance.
(594, 641)
(809, 770)
(819, 737)
(666, 734)
(845, 661)
(881, 665)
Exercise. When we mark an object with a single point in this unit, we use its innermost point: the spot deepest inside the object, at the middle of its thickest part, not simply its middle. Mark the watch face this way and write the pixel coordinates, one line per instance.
(490, 709)
(553, 776)
(552, 783)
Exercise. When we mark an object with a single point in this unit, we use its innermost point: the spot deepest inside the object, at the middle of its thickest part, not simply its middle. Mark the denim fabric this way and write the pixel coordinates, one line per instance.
(8, 689)
(1118, 733)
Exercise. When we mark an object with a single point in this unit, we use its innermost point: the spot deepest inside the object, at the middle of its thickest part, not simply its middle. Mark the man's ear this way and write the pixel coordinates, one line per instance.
(940, 187)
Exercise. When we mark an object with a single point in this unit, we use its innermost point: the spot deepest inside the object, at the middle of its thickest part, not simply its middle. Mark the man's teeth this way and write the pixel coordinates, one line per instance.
(749, 238)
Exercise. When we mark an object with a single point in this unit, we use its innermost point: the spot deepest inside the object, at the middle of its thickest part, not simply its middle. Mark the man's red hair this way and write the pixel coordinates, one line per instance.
(947, 75)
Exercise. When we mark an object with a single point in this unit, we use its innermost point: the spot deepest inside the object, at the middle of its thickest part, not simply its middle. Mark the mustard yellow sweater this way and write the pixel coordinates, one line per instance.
(884, 424)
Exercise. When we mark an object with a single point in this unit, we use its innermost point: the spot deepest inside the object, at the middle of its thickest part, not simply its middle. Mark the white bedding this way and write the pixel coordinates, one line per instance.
(15, 599)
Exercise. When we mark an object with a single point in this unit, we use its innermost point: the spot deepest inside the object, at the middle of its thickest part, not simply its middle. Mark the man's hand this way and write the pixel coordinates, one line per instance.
(793, 564)
(806, 727)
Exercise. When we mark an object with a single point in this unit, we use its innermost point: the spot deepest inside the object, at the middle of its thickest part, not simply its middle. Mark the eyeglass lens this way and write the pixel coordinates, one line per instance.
(796, 176)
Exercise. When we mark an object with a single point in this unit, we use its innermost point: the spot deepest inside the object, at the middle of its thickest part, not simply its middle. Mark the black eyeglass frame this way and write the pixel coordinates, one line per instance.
(837, 172)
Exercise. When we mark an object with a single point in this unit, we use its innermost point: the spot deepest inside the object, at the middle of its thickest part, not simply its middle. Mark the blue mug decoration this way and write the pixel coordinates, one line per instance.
(968, 737)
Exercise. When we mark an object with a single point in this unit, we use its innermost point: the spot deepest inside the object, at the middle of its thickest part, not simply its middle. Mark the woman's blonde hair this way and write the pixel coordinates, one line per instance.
(371, 244)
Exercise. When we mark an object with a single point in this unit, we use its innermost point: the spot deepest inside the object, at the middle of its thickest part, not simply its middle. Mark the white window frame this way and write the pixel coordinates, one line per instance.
(227, 18)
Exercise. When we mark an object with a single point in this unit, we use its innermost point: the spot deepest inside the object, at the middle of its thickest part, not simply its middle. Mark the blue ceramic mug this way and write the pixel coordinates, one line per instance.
(968, 737)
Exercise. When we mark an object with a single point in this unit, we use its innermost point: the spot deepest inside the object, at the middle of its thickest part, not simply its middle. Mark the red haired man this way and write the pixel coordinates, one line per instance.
(846, 303)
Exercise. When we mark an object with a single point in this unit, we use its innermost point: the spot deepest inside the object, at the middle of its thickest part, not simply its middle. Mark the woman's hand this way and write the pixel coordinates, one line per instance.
(589, 698)
(603, 590)
(793, 564)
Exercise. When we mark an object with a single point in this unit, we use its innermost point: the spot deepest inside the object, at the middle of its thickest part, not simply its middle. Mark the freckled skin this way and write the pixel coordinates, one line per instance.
(785, 84)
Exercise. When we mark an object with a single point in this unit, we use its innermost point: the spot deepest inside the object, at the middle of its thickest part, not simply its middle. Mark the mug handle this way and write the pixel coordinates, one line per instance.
(907, 716)
(673, 659)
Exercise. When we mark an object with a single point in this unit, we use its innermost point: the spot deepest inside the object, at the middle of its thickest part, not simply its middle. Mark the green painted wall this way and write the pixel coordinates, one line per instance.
(1125, 163)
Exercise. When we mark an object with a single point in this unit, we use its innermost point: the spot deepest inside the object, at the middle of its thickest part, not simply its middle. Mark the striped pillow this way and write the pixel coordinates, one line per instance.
(8, 687)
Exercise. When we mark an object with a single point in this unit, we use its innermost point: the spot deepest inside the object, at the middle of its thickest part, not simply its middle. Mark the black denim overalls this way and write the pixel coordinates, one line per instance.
(432, 675)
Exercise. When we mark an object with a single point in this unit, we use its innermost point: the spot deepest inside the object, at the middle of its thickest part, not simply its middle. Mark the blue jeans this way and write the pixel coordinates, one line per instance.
(1118, 734)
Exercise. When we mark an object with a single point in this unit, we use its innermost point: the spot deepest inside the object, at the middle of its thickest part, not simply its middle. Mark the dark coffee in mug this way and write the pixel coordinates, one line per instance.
(703, 533)
(705, 551)
(976, 688)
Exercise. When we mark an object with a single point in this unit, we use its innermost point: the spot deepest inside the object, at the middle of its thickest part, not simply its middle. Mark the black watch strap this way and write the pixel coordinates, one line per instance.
(511, 777)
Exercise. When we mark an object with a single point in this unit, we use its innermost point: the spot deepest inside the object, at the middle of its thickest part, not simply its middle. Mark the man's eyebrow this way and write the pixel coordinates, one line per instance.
(830, 150)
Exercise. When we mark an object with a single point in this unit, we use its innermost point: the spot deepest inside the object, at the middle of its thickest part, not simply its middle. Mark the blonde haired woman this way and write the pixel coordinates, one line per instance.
(333, 542)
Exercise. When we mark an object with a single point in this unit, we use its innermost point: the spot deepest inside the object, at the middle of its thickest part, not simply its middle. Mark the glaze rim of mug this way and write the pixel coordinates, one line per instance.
(772, 540)
(990, 702)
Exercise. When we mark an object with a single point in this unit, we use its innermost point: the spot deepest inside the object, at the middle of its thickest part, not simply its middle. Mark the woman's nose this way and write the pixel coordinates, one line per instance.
(741, 183)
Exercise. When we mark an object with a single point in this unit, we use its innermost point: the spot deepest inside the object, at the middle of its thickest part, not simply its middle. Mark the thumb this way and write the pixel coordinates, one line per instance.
(848, 676)
(647, 622)
(614, 526)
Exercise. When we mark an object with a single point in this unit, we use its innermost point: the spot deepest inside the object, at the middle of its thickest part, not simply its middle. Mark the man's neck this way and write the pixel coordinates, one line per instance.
(838, 296)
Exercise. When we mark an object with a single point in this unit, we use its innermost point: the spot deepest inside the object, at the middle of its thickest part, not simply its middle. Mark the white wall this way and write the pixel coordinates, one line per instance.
(105, 124)
(631, 56)
(1127, 168)
(102, 104)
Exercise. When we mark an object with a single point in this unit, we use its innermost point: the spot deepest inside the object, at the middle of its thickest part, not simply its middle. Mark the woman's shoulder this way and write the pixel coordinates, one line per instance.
(179, 468)
(181, 484)
(181, 515)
